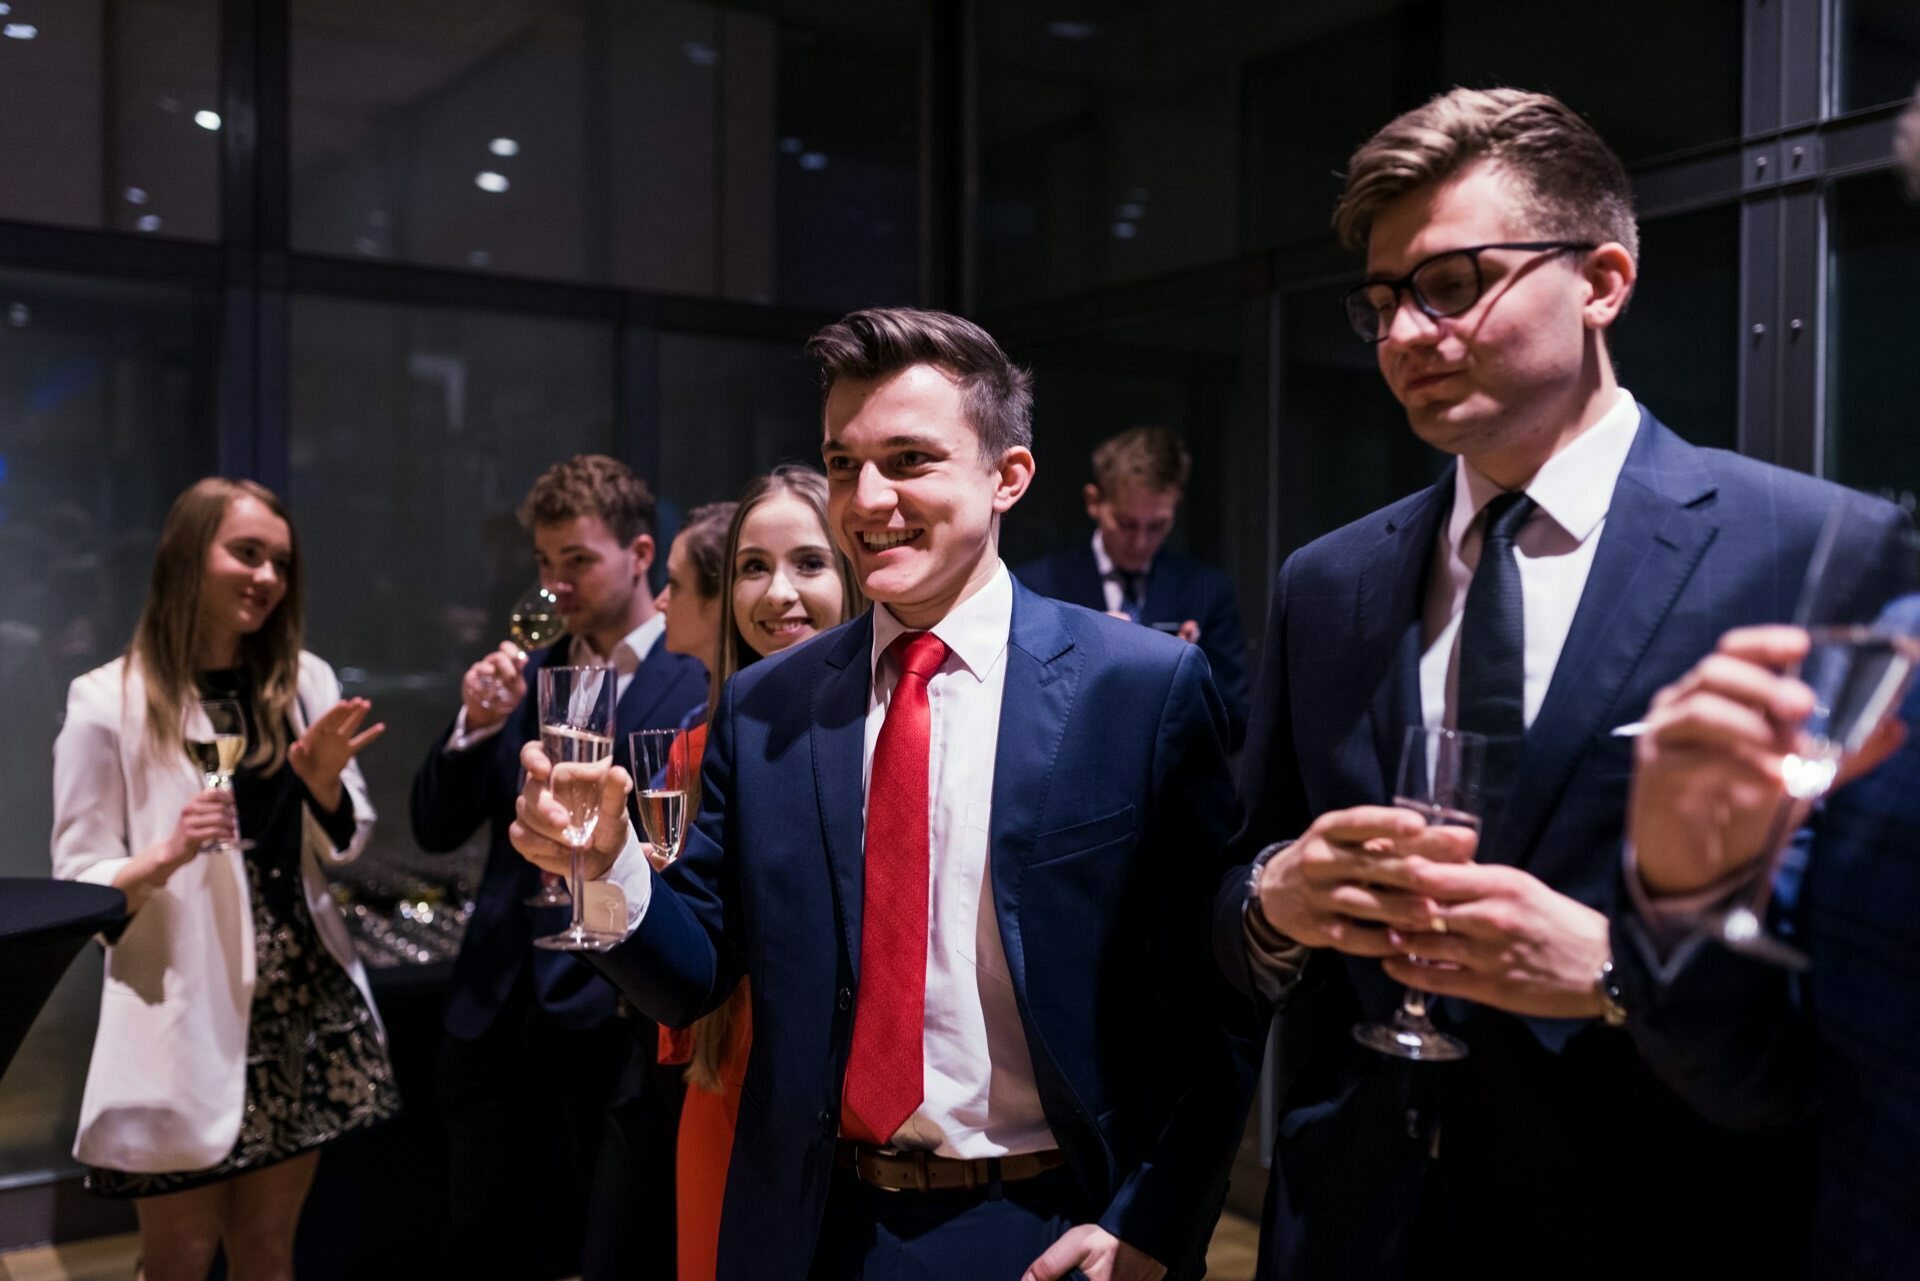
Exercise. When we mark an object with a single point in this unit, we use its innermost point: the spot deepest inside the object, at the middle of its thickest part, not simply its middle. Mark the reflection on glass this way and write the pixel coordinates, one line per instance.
(1872, 379)
(1879, 52)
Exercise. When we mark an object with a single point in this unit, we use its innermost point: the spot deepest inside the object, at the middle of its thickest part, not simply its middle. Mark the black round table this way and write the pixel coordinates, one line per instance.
(43, 925)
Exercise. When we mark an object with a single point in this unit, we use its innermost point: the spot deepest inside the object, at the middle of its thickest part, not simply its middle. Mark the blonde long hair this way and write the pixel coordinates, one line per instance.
(166, 640)
(714, 1034)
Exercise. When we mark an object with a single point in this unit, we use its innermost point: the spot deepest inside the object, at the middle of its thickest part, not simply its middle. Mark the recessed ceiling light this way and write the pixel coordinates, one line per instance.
(19, 31)
(208, 120)
(504, 147)
(488, 180)
(19, 315)
(136, 195)
(148, 222)
(1124, 230)
(479, 258)
(700, 53)
(1070, 30)
(813, 161)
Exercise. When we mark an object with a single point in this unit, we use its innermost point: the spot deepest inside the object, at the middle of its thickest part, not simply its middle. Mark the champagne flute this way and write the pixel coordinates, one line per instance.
(215, 732)
(576, 730)
(1439, 780)
(665, 778)
(1858, 666)
(533, 622)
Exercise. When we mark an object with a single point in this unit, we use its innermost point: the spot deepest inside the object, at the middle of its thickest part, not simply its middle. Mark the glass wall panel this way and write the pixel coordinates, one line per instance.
(104, 392)
(415, 434)
(1678, 346)
(112, 107)
(1879, 55)
(1345, 445)
(1873, 381)
(729, 411)
(757, 154)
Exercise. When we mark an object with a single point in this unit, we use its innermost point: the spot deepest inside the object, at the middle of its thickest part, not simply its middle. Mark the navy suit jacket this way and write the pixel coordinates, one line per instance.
(1178, 588)
(1753, 1046)
(1112, 807)
(1558, 1150)
(455, 792)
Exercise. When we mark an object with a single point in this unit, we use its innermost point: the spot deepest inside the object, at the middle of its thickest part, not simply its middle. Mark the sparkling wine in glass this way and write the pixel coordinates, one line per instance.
(1439, 780)
(665, 778)
(1858, 667)
(576, 730)
(215, 732)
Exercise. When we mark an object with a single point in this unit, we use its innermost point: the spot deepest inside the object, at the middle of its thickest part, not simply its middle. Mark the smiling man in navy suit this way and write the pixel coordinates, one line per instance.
(1575, 557)
(1139, 481)
(966, 846)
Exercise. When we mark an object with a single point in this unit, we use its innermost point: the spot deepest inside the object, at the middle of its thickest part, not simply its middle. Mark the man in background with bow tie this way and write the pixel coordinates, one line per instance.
(1139, 481)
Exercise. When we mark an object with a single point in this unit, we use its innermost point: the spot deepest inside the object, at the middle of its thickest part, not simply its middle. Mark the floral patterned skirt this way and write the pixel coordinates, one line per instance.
(316, 1065)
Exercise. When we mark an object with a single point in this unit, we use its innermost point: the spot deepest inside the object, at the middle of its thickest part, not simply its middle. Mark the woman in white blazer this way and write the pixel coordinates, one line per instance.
(237, 1033)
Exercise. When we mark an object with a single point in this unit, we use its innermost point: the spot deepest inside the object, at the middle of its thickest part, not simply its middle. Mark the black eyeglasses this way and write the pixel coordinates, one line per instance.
(1446, 284)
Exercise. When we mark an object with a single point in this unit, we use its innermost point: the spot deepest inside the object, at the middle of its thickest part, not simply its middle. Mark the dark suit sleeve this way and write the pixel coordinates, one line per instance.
(1728, 1035)
(1168, 1206)
(1225, 645)
(1272, 794)
(453, 791)
(680, 962)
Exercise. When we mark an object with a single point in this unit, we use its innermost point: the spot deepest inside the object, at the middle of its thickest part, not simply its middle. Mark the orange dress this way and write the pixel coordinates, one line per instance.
(707, 1122)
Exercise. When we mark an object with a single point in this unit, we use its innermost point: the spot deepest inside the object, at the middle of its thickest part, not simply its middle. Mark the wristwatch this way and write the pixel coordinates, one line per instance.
(1270, 939)
(1606, 984)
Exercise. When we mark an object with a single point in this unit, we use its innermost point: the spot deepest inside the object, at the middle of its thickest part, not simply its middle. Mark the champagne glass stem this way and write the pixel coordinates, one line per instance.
(1743, 925)
(1414, 1004)
(576, 870)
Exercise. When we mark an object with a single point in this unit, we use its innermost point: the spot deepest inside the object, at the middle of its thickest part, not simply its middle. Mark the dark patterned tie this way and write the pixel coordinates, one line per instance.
(1133, 592)
(1493, 651)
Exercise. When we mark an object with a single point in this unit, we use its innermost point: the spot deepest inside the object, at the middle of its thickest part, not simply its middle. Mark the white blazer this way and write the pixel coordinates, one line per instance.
(168, 1077)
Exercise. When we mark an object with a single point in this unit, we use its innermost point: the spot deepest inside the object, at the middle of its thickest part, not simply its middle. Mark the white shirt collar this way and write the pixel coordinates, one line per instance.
(631, 651)
(1104, 563)
(1574, 487)
(975, 631)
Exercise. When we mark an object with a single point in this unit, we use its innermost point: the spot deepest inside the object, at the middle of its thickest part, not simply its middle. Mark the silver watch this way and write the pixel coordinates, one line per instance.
(1613, 1011)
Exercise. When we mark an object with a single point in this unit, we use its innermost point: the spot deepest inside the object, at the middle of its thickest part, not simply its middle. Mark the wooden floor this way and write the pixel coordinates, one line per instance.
(111, 1258)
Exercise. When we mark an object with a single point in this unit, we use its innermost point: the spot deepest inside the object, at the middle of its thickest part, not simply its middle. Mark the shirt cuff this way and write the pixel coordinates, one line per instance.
(634, 876)
(1274, 961)
(463, 738)
(1671, 919)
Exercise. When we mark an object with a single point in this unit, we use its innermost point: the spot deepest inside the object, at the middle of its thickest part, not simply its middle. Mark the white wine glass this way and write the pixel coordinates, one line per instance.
(1858, 665)
(1439, 780)
(576, 731)
(664, 780)
(215, 732)
(533, 623)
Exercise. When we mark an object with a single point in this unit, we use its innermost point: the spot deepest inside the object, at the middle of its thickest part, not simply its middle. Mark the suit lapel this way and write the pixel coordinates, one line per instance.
(1391, 598)
(838, 729)
(1657, 529)
(1040, 686)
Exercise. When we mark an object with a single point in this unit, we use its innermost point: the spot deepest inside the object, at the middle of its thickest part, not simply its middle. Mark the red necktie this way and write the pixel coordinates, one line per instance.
(885, 1075)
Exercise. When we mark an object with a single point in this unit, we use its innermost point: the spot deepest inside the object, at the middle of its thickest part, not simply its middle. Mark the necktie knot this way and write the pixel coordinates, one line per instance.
(1505, 513)
(919, 654)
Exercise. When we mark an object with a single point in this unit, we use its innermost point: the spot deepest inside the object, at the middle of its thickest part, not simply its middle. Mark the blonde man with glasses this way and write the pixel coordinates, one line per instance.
(1576, 556)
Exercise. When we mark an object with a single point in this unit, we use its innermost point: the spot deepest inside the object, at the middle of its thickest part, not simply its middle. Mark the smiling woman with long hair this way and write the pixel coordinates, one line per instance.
(237, 1033)
(782, 582)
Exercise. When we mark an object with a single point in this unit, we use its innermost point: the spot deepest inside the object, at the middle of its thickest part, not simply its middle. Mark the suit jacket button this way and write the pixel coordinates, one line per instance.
(846, 998)
(826, 1122)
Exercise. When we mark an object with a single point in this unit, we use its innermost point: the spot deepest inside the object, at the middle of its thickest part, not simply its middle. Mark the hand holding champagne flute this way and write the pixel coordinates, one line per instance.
(1440, 781)
(215, 732)
(576, 735)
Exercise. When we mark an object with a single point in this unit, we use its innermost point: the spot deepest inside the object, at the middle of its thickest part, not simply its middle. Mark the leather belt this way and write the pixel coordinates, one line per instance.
(918, 1170)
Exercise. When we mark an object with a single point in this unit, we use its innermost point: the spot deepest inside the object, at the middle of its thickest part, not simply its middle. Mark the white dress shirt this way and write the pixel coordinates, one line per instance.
(1110, 584)
(628, 654)
(979, 1099)
(1554, 551)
